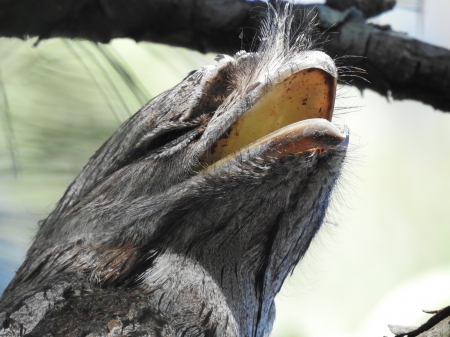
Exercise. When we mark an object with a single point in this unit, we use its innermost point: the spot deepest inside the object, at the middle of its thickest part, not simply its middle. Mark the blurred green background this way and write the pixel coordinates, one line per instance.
(384, 252)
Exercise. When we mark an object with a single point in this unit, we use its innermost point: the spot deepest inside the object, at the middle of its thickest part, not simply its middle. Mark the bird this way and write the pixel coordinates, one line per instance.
(189, 218)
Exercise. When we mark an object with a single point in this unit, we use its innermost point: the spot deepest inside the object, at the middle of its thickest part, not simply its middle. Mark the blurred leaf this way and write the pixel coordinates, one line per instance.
(61, 100)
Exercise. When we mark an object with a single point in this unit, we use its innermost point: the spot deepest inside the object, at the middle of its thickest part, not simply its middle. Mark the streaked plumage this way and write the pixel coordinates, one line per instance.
(143, 243)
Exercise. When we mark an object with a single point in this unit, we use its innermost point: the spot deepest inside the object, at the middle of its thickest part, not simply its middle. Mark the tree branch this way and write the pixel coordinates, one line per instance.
(397, 66)
(367, 7)
(437, 326)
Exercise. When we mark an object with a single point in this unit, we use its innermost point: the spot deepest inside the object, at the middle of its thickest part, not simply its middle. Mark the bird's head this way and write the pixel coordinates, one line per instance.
(229, 173)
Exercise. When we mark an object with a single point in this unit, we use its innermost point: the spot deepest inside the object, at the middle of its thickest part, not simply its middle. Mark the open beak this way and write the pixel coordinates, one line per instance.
(308, 94)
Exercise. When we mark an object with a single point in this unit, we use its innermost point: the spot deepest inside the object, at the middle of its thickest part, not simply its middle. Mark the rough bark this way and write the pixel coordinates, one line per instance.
(437, 326)
(368, 8)
(396, 65)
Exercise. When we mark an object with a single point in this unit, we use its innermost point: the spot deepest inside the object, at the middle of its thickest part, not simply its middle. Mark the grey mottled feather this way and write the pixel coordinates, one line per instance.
(142, 244)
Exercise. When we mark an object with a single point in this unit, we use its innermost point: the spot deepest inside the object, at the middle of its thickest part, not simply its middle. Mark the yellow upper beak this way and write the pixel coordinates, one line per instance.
(307, 94)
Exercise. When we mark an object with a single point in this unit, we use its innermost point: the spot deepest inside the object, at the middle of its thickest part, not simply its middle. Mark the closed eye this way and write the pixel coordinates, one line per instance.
(159, 141)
